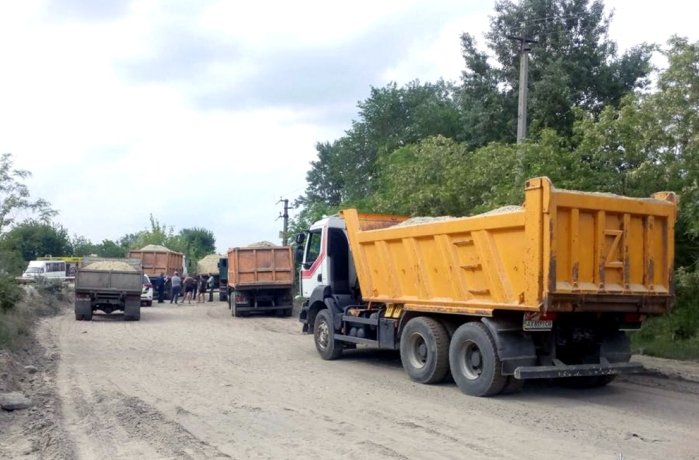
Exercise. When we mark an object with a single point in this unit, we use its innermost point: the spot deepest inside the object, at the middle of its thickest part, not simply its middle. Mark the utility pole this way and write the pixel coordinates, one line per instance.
(285, 216)
(523, 77)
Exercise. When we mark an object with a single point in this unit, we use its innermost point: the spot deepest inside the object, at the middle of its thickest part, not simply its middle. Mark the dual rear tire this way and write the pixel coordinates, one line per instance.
(428, 355)
(474, 361)
(424, 350)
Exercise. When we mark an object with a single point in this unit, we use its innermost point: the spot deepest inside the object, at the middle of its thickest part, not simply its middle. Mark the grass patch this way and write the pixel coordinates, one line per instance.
(15, 326)
(665, 347)
(675, 335)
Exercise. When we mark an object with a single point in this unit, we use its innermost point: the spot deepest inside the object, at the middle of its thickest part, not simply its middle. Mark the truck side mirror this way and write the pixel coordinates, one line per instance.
(300, 238)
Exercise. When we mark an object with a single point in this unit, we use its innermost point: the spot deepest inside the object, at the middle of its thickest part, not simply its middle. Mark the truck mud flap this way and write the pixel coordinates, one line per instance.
(560, 370)
(132, 312)
(83, 307)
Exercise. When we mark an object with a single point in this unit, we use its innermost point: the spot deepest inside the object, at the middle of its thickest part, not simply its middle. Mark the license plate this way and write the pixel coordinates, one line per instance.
(537, 325)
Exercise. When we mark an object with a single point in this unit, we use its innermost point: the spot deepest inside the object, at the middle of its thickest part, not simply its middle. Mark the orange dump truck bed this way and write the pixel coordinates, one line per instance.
(253, 267)
(563, 251)
(157, 262)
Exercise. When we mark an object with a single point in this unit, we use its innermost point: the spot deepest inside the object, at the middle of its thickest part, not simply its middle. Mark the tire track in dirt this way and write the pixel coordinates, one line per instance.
(167, 437)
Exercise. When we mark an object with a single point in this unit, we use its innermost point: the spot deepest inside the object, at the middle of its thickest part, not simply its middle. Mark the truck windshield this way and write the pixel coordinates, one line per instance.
(34, 270)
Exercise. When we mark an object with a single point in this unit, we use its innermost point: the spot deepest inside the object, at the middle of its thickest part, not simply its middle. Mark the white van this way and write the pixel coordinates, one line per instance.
(48, 269)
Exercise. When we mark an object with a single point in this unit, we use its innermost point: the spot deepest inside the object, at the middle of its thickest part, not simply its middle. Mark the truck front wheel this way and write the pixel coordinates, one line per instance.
(424, 350)
(474, 361)
(324, 336)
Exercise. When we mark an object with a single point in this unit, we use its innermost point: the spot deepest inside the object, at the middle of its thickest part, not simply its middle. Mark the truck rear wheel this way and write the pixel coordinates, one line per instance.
(424, 350)
(474, 361)
(324, 336)
(132, 313)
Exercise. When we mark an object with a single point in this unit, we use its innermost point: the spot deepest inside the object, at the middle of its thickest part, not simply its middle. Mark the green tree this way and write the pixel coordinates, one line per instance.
(32, 239)
(109, 248)
(15, 199)
(572, 64)
(158, 233)
(197, 242)
(194, 243)
(390, 117)
(82, 246)
(423, 178)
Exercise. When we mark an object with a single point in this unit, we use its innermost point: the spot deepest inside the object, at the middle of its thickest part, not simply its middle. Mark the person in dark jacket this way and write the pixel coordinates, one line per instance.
(189, 283)
(160, 287)
(202, 289)
(196, 287)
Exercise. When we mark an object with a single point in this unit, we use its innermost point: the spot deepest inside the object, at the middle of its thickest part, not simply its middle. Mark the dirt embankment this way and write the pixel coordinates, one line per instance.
(36, 432)
(190, 381)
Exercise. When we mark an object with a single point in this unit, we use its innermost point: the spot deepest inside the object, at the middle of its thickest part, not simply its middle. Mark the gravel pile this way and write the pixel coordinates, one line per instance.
(110, 265)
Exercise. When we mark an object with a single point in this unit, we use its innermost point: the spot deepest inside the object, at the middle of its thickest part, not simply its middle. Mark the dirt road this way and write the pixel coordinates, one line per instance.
(193, 382)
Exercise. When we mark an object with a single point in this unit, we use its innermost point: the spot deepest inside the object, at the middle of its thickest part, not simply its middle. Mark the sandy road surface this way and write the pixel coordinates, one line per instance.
(193, 382)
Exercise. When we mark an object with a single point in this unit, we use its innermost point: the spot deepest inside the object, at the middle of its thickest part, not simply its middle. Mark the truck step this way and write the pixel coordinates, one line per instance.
(349, 338)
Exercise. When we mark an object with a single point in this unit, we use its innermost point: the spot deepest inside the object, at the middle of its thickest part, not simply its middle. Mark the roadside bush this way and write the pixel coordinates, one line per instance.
(15, 325)
(10, 293)
(675, 335)
(14, 321)
(21, 306)
(50, 295)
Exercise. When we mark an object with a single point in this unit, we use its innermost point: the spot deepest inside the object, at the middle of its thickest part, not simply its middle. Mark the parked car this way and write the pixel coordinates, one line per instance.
(147, 293)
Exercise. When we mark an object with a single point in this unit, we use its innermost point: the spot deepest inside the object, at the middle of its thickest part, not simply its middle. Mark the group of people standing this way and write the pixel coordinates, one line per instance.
(195, 287)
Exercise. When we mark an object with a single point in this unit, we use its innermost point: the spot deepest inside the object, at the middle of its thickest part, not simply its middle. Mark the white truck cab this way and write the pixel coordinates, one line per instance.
(46, 269)
(315, 265)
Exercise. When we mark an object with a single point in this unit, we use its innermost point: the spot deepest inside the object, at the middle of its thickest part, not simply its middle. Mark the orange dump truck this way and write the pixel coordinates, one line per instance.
(546, 290)
(159, 259)
(260, 279)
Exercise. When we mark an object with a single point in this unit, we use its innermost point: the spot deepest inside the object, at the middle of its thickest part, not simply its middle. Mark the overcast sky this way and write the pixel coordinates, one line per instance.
(206, 113)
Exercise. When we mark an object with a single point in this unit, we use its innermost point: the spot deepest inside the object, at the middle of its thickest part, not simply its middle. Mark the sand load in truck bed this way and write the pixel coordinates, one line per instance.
(262, 244)
(110, 265)
(209, 264)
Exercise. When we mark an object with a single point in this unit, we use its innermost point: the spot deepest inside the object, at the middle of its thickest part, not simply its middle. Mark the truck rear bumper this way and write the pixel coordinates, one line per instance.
(246, 308)
(560, 370)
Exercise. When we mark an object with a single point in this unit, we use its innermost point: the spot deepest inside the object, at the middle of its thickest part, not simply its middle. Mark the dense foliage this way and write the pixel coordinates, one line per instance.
(597, 124)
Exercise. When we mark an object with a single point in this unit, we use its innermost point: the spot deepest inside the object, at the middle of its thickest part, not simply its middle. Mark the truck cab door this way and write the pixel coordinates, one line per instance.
(314, 268)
